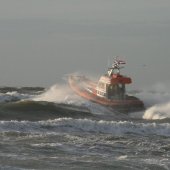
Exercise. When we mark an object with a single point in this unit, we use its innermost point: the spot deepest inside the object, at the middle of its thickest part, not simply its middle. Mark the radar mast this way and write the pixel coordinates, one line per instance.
(116, 66)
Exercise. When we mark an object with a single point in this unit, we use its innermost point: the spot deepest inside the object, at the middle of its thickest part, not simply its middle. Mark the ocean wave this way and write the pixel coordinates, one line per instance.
(87, 125)
(157, 102)
(63, 94)
(161, 111)
(34, 110)
(11, 94)
(39, 104)
(13, 97)
(59, 94)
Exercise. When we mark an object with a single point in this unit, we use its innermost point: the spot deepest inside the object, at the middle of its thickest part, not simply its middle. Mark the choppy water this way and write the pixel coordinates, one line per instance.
(55, 129)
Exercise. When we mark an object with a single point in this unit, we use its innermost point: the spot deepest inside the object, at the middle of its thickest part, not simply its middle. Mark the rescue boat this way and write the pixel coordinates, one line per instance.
(109, 91)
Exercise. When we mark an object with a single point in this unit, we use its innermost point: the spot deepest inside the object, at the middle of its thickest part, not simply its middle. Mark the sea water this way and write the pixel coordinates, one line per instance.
(55, 129)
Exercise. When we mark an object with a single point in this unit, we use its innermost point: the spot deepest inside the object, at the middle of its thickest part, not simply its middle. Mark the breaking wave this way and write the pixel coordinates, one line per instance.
(157, 102)
(63, 94)
(13, 96)
(86, 125)
(161, 111)
(31, 102)
(59, 94)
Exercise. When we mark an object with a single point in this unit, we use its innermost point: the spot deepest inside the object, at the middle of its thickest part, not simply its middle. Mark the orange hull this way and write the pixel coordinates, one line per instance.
(86, 89)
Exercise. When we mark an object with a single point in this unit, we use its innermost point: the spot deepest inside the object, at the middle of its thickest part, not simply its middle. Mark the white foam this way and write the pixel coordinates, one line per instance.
(158, 112)
(157, 102)
(155, 99)
(123, 157)
(64, 94)
(86, 125)
(160, 162)
(58, 94)
(47, 144)
(13, 96)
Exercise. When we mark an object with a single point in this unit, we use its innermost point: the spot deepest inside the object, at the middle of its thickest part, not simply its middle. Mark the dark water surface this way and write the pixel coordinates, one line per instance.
(54, 129)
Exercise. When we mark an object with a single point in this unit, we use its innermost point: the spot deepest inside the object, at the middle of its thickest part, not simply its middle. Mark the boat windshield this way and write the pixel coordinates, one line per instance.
(116, 91)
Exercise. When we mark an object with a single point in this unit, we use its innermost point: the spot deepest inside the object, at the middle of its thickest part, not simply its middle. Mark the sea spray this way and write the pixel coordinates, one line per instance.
(156, 94)
(160, 111)
(156, 101)
(63, 94)
(58, 94)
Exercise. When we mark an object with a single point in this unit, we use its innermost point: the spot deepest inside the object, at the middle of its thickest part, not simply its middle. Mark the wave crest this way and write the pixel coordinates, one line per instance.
(158, 112)
(87, 125)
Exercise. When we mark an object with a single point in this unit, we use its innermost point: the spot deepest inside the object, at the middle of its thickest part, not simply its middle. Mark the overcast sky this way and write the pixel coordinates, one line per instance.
(42, 40)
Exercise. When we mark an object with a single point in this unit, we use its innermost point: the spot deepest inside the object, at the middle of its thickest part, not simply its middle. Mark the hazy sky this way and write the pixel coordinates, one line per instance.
(42, 40)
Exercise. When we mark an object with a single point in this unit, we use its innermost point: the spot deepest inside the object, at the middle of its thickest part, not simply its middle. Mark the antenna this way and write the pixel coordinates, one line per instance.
(116, 66)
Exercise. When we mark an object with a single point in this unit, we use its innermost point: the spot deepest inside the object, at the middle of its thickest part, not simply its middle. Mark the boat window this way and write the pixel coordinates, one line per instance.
(101, 93)
(112, 89)
(116, 91)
